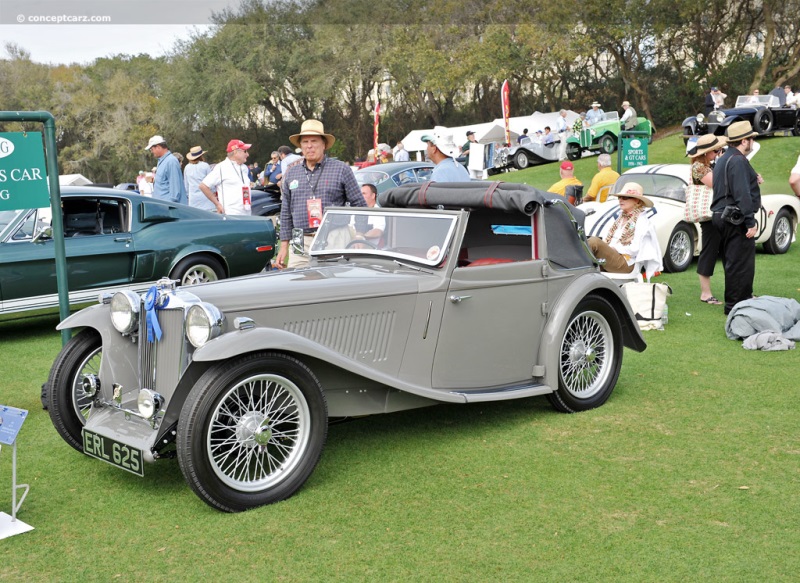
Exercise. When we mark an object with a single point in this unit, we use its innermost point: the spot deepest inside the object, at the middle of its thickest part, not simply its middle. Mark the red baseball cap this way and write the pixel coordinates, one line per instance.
(237, 145)
(565, 165)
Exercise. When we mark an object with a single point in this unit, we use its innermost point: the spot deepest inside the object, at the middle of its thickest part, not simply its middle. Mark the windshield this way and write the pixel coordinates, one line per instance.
(419, 237)
(757, 100)
(6, 218)
(654, 185)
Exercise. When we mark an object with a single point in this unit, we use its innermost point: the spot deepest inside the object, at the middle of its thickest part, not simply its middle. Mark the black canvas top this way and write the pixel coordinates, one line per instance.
(564, 244)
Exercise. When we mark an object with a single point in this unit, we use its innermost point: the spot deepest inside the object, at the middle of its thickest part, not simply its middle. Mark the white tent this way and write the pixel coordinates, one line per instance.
(73, 180)
(413, 141)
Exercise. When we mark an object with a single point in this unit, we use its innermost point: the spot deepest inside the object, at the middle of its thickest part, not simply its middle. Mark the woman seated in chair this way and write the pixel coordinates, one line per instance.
(630, 236)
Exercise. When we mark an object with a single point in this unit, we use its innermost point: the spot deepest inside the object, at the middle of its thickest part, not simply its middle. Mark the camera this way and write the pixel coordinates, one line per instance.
(733, 215)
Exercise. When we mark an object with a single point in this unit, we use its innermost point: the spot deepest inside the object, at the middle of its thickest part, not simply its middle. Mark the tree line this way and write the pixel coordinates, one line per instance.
(267, 65)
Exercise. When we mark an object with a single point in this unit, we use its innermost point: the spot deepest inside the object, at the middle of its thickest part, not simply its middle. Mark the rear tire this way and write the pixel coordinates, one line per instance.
(781, 238)
(198, 269)
(590, 357)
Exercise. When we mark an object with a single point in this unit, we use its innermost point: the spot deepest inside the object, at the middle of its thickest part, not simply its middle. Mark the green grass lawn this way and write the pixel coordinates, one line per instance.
(690, 472)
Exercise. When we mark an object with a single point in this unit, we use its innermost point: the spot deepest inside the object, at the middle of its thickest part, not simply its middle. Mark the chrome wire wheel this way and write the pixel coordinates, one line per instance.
(681, 250)
(81, 402)
(783, 232)
(258, 432)
(587, 355)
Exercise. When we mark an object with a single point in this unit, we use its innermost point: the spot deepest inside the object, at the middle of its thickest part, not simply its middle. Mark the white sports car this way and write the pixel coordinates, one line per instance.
(664, 184)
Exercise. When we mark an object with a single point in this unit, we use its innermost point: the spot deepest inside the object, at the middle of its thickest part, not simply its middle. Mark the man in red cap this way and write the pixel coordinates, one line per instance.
(566, 171)
(230, 180)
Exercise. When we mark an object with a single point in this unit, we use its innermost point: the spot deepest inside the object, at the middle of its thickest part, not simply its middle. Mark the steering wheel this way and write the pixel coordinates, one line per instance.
(360, 242)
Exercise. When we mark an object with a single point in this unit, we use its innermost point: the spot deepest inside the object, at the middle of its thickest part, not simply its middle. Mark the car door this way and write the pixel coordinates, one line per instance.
(99, 250)
(491, 325)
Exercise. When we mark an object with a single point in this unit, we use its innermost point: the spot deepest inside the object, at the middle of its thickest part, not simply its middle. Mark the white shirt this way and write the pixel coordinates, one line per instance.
(192, 175)
(796, 169)
(561, 125)
(401, 155)
(229, 178)
(288, 160)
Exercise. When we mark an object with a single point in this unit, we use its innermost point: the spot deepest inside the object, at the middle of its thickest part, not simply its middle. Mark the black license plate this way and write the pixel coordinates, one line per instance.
(113, 452)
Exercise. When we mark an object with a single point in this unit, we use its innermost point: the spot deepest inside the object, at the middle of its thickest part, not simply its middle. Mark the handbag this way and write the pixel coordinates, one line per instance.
(698, 203)
(647, 301)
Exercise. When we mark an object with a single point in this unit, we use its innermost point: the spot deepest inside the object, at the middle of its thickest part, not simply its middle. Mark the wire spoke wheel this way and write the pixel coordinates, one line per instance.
(585, 355)
(258, 432)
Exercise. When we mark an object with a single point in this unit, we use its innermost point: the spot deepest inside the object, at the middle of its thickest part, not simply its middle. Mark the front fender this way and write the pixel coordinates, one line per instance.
(552, 335)
(242, 342)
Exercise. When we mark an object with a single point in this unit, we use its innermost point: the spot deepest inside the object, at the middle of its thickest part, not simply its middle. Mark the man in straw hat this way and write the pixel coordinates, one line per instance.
(630, 237)
(168, 184)
(308, 188)
(595, 115)
(442, 152)
(736, 189)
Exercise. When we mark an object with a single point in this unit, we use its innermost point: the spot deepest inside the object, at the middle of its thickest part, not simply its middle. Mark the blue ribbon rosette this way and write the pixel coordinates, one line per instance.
(151, 306)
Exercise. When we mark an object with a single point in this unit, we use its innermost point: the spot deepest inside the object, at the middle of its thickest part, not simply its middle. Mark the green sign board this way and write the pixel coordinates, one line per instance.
(23, 178)
(634, 152)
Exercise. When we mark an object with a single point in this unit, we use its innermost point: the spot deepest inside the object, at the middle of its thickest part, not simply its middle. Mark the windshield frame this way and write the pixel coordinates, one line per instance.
(436, 254)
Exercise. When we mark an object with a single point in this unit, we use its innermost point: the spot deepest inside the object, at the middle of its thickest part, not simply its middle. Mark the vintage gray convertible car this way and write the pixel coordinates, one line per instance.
(452, 293)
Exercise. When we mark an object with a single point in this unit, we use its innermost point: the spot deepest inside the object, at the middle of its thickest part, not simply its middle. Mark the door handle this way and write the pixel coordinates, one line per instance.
(122, 239)
(458, 299)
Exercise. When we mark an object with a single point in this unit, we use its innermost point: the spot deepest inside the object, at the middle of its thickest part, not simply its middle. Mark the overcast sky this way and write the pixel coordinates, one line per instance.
(65, 44)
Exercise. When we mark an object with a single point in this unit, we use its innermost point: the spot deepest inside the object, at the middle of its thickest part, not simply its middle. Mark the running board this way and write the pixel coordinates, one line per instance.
(503, 393)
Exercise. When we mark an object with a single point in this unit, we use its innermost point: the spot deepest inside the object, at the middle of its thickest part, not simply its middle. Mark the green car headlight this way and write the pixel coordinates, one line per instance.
(125, 311)
(203, 323)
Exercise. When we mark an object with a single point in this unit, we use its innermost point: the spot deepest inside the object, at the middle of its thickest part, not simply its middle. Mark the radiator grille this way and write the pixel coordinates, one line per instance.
(170, 351)
(361, 337)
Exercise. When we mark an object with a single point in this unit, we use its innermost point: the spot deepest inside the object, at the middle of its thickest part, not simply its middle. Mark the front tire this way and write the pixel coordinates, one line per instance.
(781, 238)
(607, 144)
(590, 357)
(573, 152)
(762, 121)
(198, 269)
(680, 249)
(522, 160)
(67, 402)
(251, 431)
(796, 128)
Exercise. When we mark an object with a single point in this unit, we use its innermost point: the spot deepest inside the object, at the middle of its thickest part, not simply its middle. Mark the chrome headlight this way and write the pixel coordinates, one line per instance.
(700, 118)
(125, 311)
(203, 323)
(150, 403)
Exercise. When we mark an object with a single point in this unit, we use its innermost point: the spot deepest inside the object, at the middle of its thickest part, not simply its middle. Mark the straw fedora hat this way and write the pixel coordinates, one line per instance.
(739, 131)
(635, 190)
(195, 153)
(313, 127)
(706, 143)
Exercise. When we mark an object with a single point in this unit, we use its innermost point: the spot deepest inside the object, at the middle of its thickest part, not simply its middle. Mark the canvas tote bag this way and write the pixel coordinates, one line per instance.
(647, 301)
(698, 203)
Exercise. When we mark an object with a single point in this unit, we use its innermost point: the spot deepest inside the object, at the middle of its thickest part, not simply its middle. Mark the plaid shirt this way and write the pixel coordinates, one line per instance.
(331, 180)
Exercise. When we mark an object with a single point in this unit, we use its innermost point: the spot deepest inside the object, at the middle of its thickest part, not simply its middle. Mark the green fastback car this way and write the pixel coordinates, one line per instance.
(116, 239)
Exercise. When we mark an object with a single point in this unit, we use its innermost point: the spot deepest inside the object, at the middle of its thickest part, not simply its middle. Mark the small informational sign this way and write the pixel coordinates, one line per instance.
(23, 178)
(634, 152)
(11, 420)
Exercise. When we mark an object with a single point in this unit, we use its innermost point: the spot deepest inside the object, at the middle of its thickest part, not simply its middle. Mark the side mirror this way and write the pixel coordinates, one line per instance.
(43, 235)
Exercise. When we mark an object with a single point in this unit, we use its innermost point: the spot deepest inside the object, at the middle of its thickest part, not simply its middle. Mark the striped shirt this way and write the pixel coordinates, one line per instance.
(332, 181)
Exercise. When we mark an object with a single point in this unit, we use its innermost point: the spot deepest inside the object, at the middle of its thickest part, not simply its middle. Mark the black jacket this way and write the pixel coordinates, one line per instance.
(736, 183)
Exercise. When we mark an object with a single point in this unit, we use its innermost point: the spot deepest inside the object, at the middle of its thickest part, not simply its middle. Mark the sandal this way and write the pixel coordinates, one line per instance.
(712, 300)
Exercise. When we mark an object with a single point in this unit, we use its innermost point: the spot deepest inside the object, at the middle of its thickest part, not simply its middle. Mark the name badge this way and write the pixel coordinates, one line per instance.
(293, 184)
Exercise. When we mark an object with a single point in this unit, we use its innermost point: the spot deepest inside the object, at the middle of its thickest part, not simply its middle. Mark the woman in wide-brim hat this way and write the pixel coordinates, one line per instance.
(703, 154)
(617, 252)
(196, 169)
(313, 127)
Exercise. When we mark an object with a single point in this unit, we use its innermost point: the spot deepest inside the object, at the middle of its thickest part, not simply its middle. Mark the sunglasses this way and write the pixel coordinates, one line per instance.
(624, 197)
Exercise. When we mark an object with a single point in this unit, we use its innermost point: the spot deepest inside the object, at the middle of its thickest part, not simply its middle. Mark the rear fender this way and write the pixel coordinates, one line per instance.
(584, 286)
